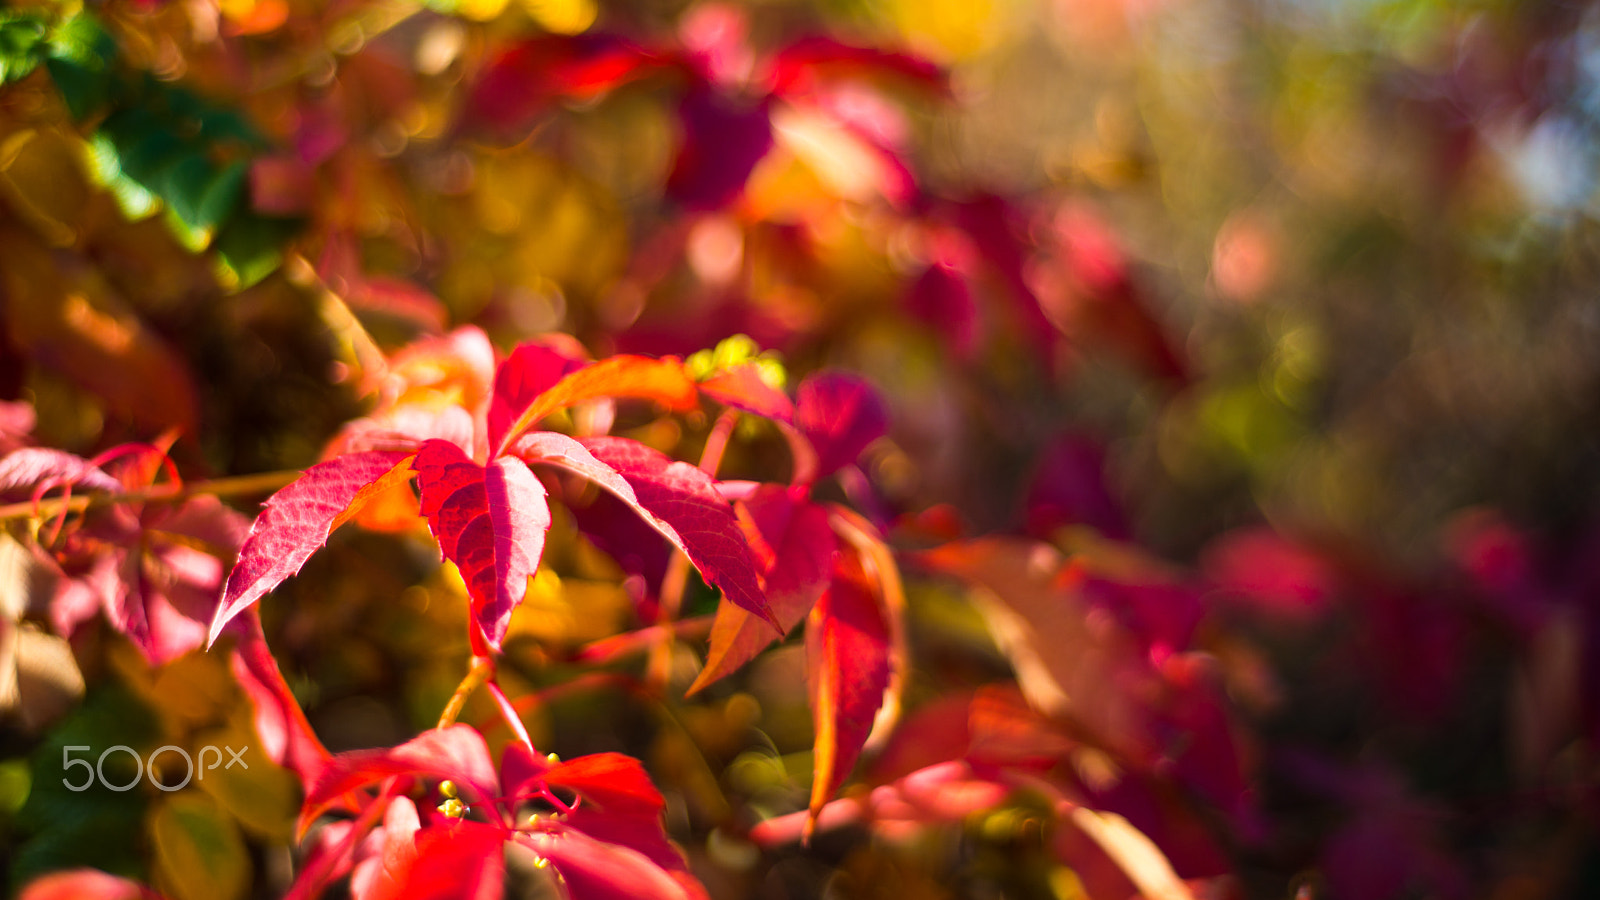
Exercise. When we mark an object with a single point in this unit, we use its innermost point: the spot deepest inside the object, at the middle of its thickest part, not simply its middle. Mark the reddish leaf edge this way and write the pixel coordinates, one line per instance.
(272, 552)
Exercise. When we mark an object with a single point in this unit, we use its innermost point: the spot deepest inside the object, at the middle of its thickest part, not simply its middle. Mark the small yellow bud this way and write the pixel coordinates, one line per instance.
(448, 789)
(552, 758)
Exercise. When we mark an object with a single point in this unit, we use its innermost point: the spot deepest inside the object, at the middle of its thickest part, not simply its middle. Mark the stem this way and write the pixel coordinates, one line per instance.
(259, 483)
(658, 669)
(609, 650)
(509, 712)
(482, 670)
(645, 694)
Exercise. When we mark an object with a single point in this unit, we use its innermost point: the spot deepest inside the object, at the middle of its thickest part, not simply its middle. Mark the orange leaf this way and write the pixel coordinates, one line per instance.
(662, 380)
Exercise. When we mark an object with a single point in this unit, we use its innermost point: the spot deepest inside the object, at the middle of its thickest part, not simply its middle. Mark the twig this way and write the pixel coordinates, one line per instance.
(482, 670)
(218, 487)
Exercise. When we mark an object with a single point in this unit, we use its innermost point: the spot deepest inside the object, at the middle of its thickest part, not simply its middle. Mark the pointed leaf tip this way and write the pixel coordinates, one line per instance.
(676, 499)
(490, 521)
(297, 520)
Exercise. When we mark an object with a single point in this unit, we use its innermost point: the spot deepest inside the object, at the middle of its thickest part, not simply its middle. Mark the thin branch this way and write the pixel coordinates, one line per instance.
(260, 483)
(658, 669)
(509, 713)
(482, 670)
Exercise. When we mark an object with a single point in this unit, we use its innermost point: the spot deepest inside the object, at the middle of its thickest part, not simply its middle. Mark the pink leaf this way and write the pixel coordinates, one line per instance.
(25, 469)
(85, 884)
(457, 753)
(677, 499)
(490, 521)
(796, 546)
(597, 870)
(847, 672)
(840, 414)
(296, 521)
(383, 876)
(169, 584)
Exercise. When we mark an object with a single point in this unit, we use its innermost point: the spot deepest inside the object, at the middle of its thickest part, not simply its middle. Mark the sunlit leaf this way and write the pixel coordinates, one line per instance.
(847, 673)
(490, 521)
(297, 520)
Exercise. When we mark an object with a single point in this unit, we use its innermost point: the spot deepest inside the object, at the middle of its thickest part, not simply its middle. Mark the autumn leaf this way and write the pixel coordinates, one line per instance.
(662, 380)
(847, 673)
(840, 415)
(490, 521)
(682, 503)
(795, 547)
(297, 520)
(457, 753)
(530, 371)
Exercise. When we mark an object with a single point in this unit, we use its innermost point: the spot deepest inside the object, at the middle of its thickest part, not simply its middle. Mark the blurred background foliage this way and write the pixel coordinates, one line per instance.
(1315, 274)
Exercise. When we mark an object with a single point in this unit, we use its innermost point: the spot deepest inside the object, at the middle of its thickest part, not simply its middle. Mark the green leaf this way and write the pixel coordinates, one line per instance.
(81, 39)
(135, 201)
(147, 158)
(66, 828)
(250, 248)
(21, 45)
(81, 55)
(86, 91)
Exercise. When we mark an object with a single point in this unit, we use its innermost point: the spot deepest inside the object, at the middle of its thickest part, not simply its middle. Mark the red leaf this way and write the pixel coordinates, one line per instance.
(457, 753)
(723, 141)
(742, 388)
(618, 805)
(1271, 573)
(525, 79)
(795, 67)
(662, 380)
(459, 861)
(847, 671)
(677, 499)
(941, 298)
(617, 783)
(285, 734)
(597, 870)
(531, 370)
(297, 520)
(490, 521)
(797, 547)
(840, 415)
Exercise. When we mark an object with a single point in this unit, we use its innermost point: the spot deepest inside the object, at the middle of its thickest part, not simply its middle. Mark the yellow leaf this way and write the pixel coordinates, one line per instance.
(199, 854)
(262, 795)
